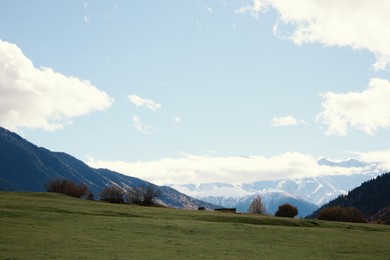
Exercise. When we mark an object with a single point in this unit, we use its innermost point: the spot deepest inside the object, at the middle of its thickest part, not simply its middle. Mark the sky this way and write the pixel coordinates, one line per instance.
(200, 91)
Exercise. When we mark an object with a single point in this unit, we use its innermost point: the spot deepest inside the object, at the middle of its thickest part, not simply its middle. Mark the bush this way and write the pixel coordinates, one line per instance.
(382, 216)
(67, 187)
(112, 194)
(286, 210)
(90, 196)
(143, 195)
(257, 206)
(342, 214)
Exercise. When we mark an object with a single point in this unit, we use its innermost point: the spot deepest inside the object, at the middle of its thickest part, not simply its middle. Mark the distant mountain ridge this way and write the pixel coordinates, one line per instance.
(27, 167)
(306, 193)
(346, 164)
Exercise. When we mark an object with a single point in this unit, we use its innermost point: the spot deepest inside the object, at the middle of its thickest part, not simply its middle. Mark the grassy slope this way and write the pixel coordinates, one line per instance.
(42, 225)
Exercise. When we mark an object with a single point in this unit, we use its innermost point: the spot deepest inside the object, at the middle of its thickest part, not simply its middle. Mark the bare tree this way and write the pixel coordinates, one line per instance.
(257, 206)
(112, 194)
(143, 195)
(135, 195)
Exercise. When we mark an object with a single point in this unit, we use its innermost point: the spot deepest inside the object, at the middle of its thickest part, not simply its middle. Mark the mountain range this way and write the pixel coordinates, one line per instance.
(307, 194)
(27, 167)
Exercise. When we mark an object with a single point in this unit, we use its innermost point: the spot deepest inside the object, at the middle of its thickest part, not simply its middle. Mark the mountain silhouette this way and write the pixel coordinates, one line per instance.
(27, 167)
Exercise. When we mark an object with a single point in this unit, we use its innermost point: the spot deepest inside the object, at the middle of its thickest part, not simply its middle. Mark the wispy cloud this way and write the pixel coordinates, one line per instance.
(141, 127)
(87, 18)
(367, 111)
(40, 97)
(286, 121)
(141, 102)
(111, 13)
(381, 157)
(357, 24)
(197, 23)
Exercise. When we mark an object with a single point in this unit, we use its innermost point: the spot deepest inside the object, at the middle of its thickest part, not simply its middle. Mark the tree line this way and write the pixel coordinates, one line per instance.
(147, 194)
(141, 195)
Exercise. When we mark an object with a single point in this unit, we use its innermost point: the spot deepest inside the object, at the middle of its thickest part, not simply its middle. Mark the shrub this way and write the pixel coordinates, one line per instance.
(286, 210)
(382, 216)
(90, 196)
(67, 187)
(257, 206)
(112, 194)
(143, 195)
(342, 214)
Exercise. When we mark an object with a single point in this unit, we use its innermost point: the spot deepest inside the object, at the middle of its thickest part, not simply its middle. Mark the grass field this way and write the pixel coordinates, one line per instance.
(53, 226)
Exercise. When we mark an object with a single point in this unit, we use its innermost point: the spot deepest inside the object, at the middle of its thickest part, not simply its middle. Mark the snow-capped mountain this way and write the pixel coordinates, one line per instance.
(306, 193)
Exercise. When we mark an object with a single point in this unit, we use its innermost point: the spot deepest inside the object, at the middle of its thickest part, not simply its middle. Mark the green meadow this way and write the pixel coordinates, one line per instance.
(53, 226)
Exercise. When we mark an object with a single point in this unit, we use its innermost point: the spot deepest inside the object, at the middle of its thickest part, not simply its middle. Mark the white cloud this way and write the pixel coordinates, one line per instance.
(111, 13)
(285, 121)
(355, 23)
(366, 111)
(40, 97)
(147, 103)
(177, 119)
(379, 157)
(203, 169)
(141, 127)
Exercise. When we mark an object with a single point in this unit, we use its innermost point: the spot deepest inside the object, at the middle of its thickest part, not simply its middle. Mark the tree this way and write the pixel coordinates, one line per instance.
(286, 210)
(257, 206)
(112, 194)
(342, 214)
(143, 195)
(67, 187)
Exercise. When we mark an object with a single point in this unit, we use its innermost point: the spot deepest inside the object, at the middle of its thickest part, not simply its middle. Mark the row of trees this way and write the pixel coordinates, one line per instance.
(343, 214)
(142, 195)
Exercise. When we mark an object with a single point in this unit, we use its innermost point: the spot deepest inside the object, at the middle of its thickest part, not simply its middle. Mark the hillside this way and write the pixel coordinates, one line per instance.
(27, 167)
(371, 198)
(54, 226)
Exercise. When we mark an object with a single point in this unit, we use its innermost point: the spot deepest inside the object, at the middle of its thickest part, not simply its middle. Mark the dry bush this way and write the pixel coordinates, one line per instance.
(112, 194)
(67, 187)
(143, 195)
(342, 214)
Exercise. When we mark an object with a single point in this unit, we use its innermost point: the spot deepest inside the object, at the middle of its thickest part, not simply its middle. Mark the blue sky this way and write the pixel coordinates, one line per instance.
(188, 91)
